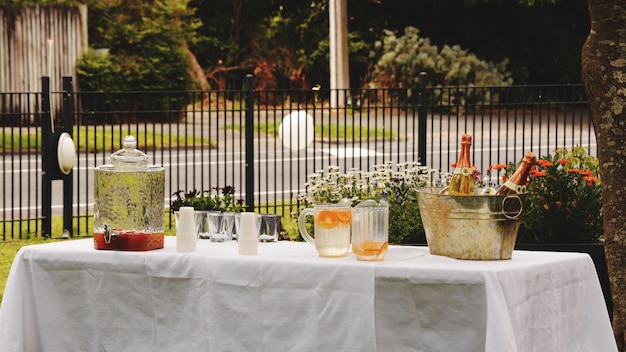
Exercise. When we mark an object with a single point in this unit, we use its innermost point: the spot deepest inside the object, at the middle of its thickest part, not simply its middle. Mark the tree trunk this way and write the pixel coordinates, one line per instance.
(197, 73)
(604, 76)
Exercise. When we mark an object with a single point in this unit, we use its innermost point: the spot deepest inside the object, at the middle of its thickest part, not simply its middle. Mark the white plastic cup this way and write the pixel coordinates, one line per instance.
(247, 239)
(186, 232)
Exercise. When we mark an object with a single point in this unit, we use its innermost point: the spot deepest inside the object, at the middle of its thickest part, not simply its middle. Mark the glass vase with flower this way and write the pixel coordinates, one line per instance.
(328, 201)
(395, 184)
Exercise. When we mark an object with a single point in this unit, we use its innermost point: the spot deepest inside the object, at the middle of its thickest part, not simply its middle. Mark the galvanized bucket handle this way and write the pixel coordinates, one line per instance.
(516, 215)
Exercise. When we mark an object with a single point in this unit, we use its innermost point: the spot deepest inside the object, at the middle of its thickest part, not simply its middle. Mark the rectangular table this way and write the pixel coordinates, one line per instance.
(66, 296)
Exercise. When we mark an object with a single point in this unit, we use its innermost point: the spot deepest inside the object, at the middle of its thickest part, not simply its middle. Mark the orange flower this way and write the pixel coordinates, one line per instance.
(534, 172)
(544, 163)
(590, 180)
(497, 167)
(453, 164)
(574, 171)
(563, 161)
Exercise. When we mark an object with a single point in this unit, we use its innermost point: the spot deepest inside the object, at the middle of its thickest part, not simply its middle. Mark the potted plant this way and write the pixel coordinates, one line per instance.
(223, 202)
(230, 207)
(563, 207)
(564, 202)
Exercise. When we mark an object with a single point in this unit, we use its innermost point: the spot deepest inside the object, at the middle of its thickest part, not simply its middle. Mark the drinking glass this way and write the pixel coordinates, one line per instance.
(228, 226)
(214, 219)
(269, 228)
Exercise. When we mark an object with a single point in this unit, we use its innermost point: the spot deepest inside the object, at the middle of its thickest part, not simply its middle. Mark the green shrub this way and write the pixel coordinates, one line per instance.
(564, 201)
(147, 47)
(406, 227)
(97, 72)
(403, 58)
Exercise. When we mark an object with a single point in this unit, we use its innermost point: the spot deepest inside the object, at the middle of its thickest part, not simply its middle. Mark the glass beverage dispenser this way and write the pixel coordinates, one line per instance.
(129, 202)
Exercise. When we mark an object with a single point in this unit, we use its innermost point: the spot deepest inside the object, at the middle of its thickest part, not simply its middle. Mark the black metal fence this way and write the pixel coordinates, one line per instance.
(211, 139)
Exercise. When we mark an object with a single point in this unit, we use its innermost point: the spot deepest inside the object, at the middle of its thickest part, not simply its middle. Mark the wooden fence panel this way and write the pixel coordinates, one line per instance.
(38, 41)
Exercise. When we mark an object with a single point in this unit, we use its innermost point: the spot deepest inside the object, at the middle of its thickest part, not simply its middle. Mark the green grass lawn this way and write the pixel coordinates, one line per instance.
(92, 137)
(8, 250)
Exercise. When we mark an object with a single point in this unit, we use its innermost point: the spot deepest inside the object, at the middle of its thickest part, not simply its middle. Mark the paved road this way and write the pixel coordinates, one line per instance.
(281, 173)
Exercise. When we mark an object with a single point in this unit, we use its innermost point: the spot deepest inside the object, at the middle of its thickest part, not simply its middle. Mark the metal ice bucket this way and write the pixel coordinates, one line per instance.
(475, 227)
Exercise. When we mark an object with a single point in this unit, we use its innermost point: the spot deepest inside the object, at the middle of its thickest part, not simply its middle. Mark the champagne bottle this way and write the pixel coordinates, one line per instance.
(462, 182)
(517, 183)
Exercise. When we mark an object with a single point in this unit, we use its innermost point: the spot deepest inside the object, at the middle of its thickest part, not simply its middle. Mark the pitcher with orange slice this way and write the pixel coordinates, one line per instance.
(331, 227)
(370, 230)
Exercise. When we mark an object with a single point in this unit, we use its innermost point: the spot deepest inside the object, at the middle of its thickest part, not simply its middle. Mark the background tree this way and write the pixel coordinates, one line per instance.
(604, 76)
(289, 39)
(403, 57)
(225, 37)
(293, 49)
(541, 38)
(147, 44)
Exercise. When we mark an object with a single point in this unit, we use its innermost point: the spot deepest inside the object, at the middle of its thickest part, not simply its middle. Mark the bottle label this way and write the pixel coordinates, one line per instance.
(465, 171)
(519, 189)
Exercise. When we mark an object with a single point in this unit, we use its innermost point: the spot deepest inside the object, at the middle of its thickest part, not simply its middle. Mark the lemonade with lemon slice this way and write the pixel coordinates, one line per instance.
(332, 232)
(331, 224)
(370, 230)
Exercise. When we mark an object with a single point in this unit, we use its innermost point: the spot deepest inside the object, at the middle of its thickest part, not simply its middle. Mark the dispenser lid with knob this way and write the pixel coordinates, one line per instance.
(129, 157)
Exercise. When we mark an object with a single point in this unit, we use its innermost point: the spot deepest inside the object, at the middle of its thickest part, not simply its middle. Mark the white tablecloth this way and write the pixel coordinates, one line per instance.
(66, 296)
